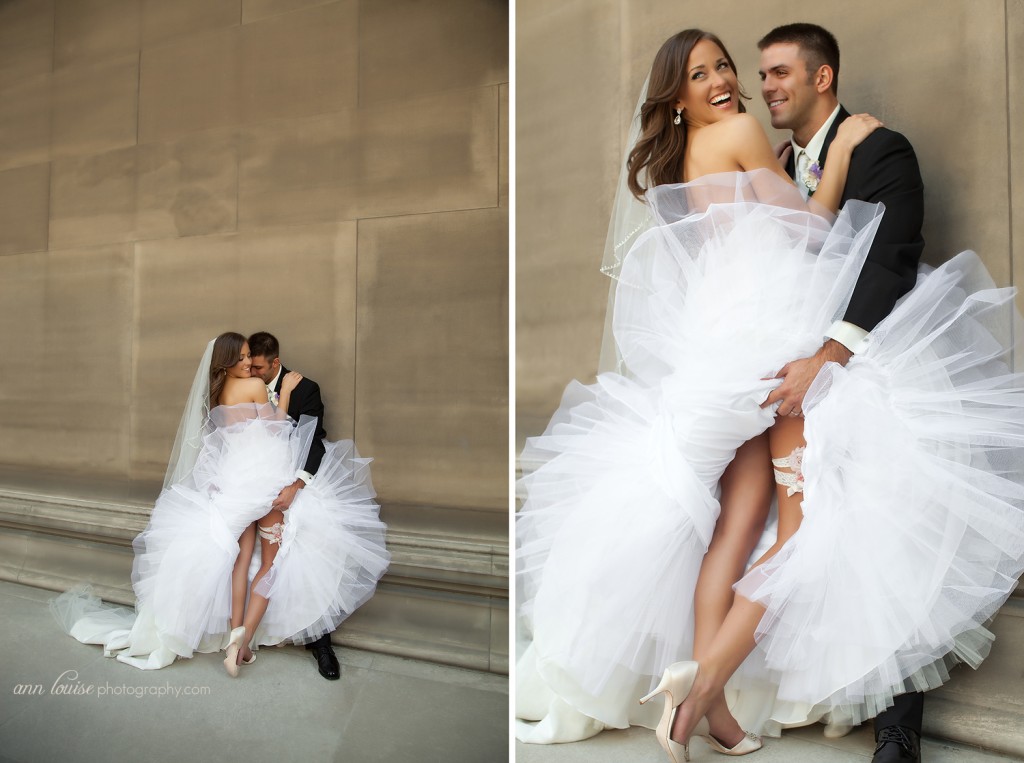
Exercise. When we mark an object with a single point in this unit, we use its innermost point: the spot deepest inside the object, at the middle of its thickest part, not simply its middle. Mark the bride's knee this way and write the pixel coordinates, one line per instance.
(263, 570)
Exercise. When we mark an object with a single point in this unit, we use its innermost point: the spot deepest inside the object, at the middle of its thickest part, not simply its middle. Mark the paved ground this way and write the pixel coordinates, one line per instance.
(805, 745)
(383, 708)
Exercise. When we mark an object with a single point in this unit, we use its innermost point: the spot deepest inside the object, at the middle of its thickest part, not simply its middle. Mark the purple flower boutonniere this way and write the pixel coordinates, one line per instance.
(811, 178)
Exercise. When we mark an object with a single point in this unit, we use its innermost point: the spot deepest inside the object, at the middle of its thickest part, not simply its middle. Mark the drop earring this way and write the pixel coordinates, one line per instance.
(679, 117)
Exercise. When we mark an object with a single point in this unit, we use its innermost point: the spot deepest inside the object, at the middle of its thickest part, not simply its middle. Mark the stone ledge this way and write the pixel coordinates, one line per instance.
(472, 556)
(445, 597)
(985, 707)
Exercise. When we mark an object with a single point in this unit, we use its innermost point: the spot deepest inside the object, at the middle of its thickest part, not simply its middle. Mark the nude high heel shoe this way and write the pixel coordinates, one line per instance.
(675, 684)
(234, 644)
(750, 743)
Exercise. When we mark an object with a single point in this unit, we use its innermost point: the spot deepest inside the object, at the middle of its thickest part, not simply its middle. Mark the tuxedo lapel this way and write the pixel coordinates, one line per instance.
(292, 400)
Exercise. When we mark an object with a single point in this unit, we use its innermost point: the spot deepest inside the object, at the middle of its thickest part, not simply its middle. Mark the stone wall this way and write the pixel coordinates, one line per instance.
(333, 172)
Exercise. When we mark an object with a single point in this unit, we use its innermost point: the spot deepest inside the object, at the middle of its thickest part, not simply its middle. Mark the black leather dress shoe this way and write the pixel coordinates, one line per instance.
(327, 662)
(897, 744)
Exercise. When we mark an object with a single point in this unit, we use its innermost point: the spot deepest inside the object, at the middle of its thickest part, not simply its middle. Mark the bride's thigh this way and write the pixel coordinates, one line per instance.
(746, 494)
(272, 517)
(246, 543)
(269, 546)
(784, 437)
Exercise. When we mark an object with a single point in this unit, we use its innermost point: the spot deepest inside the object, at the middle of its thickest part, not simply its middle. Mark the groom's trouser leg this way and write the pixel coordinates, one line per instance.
(907, 710)
(324, 640)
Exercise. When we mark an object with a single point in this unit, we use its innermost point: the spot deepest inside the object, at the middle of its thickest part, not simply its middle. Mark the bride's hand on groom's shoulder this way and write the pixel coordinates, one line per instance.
(290, 381)
(855, 128)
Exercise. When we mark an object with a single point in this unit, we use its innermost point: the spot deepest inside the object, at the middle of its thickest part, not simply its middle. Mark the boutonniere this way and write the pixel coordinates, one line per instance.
(275, 398)
(811, 178)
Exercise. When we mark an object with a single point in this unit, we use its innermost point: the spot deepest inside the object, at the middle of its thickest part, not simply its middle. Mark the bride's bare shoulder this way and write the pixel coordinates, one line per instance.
(247, 390)
(724, 145)
(734, 140)
(735, 126)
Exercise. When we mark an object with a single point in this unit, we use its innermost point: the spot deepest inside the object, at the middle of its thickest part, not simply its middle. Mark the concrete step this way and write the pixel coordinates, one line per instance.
(986, 706)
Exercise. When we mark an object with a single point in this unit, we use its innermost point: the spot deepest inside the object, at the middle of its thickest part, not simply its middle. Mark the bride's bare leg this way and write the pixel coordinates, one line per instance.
(785, 437)
(240, 574)
(735, 639)
(257, 603)
(745, 500)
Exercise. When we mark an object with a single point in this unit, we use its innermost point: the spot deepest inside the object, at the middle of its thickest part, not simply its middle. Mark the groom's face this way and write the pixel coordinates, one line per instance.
(265, 369)
(786, 86)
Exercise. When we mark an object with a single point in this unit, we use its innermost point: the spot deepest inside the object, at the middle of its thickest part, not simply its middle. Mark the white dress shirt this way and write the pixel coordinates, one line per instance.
(301, 474)
(850, 335)
(272, 387)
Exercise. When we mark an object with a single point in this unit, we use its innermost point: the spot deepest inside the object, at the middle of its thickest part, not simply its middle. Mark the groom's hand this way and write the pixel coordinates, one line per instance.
(797, 376)
(287, 495)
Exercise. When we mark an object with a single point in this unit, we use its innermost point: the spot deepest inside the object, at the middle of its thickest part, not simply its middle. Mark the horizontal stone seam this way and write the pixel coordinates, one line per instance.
(16, 508)
(103, 532)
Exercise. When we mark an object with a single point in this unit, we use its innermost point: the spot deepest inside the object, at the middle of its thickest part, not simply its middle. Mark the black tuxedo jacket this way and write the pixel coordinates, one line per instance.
(305, 400)
(883, 169)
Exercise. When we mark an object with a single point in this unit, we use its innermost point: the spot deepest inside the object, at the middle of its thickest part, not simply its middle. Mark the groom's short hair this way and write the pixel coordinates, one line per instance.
(817, 45)
(264, 345)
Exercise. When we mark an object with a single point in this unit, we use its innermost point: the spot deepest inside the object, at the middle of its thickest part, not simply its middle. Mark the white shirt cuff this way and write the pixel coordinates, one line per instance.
(852, 337)
(304, 476)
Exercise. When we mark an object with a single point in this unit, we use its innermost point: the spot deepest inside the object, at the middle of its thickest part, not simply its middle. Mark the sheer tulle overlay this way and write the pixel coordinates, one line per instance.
(913, 530)
(332, 552)
(621, 491)
(332, 549)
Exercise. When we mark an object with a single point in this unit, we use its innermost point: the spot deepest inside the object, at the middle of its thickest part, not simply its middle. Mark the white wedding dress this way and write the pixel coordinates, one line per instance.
(913, 530)
(332, 550)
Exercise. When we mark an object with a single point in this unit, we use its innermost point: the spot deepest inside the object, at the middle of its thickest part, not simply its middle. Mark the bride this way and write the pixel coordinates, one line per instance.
(734, 278)
(233, 453)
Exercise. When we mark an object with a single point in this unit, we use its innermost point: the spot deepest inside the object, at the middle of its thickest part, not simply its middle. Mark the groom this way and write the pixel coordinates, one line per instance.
(799, 74)
(305, 401)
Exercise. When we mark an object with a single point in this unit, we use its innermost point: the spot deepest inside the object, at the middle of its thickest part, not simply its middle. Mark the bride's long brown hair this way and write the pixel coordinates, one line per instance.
(661, 145)
(226, 350)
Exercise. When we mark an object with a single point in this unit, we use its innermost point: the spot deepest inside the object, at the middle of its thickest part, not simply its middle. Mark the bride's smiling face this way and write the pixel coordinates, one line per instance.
(241, 369)
(710, 90)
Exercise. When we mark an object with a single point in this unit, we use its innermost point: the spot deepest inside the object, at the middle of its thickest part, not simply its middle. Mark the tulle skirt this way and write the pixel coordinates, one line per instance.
(621, 491)
(331, 555)
(913, 529)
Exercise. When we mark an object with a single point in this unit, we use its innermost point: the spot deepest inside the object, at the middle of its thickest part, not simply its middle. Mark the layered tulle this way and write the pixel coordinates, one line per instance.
(913, 530)
(333, 545)
(620, 492)
(332, 552)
